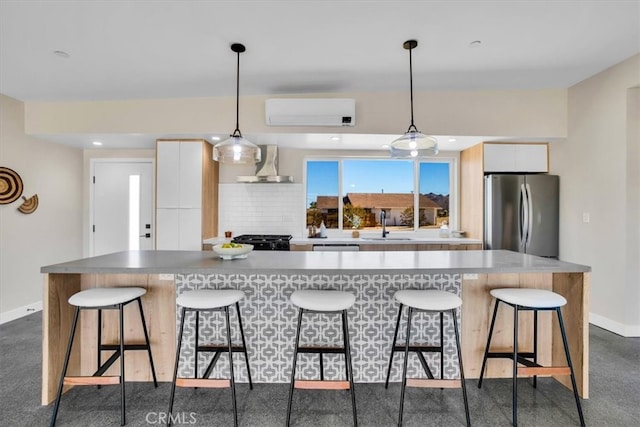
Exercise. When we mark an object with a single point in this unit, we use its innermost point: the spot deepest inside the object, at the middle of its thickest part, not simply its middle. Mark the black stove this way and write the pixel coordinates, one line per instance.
(265, 242)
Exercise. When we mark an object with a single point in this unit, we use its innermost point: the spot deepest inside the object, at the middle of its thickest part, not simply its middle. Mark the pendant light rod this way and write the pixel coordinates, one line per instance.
(236, 149)
(413, 143)
(410, 45)
(237, 48)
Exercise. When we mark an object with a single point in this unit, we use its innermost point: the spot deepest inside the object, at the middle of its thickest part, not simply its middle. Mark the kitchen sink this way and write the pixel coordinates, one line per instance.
(386, 238)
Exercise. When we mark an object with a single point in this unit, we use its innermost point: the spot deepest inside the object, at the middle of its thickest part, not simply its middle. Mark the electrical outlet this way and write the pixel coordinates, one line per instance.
(586, 217)
(472, 276)
(166, 277)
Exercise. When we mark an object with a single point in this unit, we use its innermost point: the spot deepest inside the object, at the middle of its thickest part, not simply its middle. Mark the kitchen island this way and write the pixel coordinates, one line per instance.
(268, 279)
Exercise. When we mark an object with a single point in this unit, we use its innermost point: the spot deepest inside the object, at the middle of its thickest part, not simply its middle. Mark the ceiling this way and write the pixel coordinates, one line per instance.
(165, 49)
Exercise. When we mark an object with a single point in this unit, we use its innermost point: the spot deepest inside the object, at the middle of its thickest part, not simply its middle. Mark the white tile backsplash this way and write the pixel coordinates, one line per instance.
(261, 209)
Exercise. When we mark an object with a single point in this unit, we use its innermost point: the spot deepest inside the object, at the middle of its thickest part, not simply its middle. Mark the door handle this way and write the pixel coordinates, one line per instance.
(147, 235)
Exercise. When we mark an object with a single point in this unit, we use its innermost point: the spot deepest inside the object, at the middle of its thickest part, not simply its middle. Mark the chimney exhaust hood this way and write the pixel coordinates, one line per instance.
(267, 168)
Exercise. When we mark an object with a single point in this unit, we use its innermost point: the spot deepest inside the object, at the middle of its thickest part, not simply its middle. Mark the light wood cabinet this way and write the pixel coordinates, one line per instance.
(187, 194)
(403, 247)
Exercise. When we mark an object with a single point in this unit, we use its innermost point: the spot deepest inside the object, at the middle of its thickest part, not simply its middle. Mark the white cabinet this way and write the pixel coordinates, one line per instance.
(187, 196)
(179, 229)
(515, 158)
(179, 176)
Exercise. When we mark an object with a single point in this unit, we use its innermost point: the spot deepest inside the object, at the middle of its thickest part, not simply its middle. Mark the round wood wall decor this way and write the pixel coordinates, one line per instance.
(29, 205)
(10, 186)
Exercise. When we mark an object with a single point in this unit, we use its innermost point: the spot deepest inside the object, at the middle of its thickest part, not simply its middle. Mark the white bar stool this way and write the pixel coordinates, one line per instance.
(210, 300)
(535, 300)
(433, 301)
(323, 301)
(105, 299)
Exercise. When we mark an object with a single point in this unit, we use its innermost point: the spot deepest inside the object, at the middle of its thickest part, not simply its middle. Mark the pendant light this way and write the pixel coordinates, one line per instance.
(236, 149)
(413, 143)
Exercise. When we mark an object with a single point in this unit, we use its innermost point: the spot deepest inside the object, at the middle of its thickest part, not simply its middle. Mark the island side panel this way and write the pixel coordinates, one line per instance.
(159, 311)
(57, 317)
(477, 310)
(575, 288)
(269, 319)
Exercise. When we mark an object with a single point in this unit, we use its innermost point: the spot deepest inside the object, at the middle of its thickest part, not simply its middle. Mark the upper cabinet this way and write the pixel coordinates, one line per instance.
(528, 158)
(179, 177)
(187, 194)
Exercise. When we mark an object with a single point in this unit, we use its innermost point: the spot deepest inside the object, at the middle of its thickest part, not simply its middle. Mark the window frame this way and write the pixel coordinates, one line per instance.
(450, 158)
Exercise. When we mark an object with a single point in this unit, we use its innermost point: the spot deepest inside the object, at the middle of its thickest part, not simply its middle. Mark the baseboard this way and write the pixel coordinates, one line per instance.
(19, 312)
(627, 331)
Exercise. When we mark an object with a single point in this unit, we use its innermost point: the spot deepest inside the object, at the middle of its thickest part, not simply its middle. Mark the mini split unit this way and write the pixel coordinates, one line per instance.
(310, 112)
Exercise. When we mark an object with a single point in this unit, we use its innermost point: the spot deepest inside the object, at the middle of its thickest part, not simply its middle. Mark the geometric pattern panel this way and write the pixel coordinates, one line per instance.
(269, 322)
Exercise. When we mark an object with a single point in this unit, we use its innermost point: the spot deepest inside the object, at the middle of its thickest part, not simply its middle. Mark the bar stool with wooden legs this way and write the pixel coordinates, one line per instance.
(210, 300)
(330, 302)
(522, 299)
(430, 301)
(105, 299)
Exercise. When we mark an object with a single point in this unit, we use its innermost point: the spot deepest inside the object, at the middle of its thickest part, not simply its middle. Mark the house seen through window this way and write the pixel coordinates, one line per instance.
(352, 194)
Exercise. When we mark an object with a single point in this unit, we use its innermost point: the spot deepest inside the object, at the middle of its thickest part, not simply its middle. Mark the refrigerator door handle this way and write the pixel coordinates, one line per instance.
(530, 216)
(524, 217)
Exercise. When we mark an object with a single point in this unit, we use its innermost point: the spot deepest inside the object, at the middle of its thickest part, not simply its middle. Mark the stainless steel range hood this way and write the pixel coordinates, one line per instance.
(267, 169)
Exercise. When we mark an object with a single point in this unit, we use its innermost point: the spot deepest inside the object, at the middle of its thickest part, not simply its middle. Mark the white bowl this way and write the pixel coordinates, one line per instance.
(230, 253)
(457, 233)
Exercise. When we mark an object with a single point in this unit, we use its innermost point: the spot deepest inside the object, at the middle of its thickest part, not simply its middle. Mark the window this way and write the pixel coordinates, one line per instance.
(352, 193)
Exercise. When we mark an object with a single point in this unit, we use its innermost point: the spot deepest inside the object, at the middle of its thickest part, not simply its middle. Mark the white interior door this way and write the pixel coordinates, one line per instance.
(122, 208)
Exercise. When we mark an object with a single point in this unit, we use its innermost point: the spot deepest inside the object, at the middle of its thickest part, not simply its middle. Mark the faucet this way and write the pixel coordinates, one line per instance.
(383, 221)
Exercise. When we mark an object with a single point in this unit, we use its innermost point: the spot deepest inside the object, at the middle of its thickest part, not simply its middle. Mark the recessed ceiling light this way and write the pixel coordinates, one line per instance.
(61, 53)
(335, 138)
(452, 140)
(215, 138)
(475, 43)
(97, 143)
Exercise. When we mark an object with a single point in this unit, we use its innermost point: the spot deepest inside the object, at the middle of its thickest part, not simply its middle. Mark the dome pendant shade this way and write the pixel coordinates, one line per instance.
(236, 149)
(413, 143)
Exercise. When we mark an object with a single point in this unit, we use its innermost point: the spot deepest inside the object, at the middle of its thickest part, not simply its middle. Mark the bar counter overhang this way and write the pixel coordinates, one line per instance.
(268, 278)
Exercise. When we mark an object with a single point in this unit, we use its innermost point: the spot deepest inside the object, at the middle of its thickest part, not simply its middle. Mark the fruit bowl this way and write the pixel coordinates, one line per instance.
(232, 250)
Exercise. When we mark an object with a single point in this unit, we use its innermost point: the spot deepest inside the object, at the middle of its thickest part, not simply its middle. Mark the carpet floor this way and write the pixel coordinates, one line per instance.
(614, 391)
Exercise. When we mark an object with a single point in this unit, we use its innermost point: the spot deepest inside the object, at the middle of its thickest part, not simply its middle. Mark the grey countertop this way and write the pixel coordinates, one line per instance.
(158, 262)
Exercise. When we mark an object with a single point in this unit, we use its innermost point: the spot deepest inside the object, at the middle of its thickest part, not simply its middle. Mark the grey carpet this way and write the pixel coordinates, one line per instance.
(615, 387)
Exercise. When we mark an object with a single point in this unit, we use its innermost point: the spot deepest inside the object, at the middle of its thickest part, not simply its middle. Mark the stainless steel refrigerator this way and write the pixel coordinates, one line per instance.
(521, 213)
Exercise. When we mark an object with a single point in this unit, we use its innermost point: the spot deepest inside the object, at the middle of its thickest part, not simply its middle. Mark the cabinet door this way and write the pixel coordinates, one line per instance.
(168, 174)
(515, 158)
(190, 224)
(532, 158)
(190, 174)
(167, 229)
(499, 158)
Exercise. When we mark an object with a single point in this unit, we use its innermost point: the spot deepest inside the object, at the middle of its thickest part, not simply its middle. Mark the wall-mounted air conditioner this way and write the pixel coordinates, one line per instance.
(310, 112)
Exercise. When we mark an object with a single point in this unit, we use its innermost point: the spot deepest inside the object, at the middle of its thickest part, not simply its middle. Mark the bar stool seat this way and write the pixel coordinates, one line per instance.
(320, 300)
(104, 299)
(323, 301)
(526, 363)
(428, 300)
(431, 301)
(207, 299)
(210, 300)
(533, 298)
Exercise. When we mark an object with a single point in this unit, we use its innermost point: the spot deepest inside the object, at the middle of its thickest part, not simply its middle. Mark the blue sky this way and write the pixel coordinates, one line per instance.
(374, 176)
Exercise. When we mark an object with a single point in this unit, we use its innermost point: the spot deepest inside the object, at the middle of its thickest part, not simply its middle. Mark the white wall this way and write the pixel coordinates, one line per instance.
(52, 233)
(598, 167)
